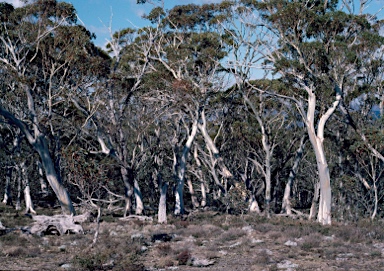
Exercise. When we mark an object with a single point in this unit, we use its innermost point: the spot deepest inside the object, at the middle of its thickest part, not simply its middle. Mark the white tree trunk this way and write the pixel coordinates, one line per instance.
(317, 139)
(65, 201)
(376, 200)
(286, 205)
(254, 206)
(315, 198)
(138, 198)
(27, 190)
(162, 211)
(203, 195)
(39, 143)
(181, 168)
(7, 191)
(324, 214)
(195, 202)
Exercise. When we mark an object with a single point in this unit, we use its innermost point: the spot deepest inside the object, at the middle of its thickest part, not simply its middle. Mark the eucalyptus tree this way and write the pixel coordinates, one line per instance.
(317, 52)
(187, 51)
(44, 51)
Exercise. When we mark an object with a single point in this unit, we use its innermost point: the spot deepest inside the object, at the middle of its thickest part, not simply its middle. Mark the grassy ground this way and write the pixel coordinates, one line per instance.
(204, 241)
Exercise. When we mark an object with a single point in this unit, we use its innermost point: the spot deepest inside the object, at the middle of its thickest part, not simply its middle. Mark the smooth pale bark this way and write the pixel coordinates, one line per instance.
(7, 191)
(254, 206)
(138, 198)
(203, 194)
(315, 199)
(181, 167)
(57, 186)
(199, 175)
(162, 210)
(286, 205)
(376, 201)
(27, 190)
(195, 202)
(317, 139)
(212, 146)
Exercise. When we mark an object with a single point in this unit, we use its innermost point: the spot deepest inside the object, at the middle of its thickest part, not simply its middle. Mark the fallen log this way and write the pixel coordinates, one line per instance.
(136, 217)
(56, 225)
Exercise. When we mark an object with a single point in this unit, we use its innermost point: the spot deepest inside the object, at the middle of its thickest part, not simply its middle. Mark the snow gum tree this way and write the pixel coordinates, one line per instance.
(44, 54)
(317, 54)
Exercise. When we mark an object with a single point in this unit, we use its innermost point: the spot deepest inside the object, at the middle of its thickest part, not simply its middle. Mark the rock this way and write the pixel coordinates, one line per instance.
(113, 233)
(267, 251)
(235, 244)
(143, 249)
(287, 265)
(161, 237)
(329, 238)
(290, 243)
(137, 237)
(344, 256)
(202, 262)
(248, 229)
(62, 248)
(66, 266)
(256, 241)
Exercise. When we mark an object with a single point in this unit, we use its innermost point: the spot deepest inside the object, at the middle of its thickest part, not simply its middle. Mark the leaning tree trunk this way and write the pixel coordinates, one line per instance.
(315, 198)
(39, 143)
(53, 179)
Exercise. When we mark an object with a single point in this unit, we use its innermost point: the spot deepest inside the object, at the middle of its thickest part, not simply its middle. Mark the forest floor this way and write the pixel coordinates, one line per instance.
(204, 241)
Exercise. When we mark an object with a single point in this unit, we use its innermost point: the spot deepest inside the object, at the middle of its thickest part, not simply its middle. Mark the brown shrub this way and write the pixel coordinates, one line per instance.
(183, 257)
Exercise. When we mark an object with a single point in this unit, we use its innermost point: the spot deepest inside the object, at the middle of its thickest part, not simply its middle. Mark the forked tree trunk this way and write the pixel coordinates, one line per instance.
(317, 139)
(180, 167)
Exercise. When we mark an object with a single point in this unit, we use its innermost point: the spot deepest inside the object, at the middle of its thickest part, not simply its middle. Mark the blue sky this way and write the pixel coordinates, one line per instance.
(96, 14)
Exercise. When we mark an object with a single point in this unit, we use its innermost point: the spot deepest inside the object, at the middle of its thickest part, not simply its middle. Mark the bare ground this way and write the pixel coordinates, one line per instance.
(204, 241)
